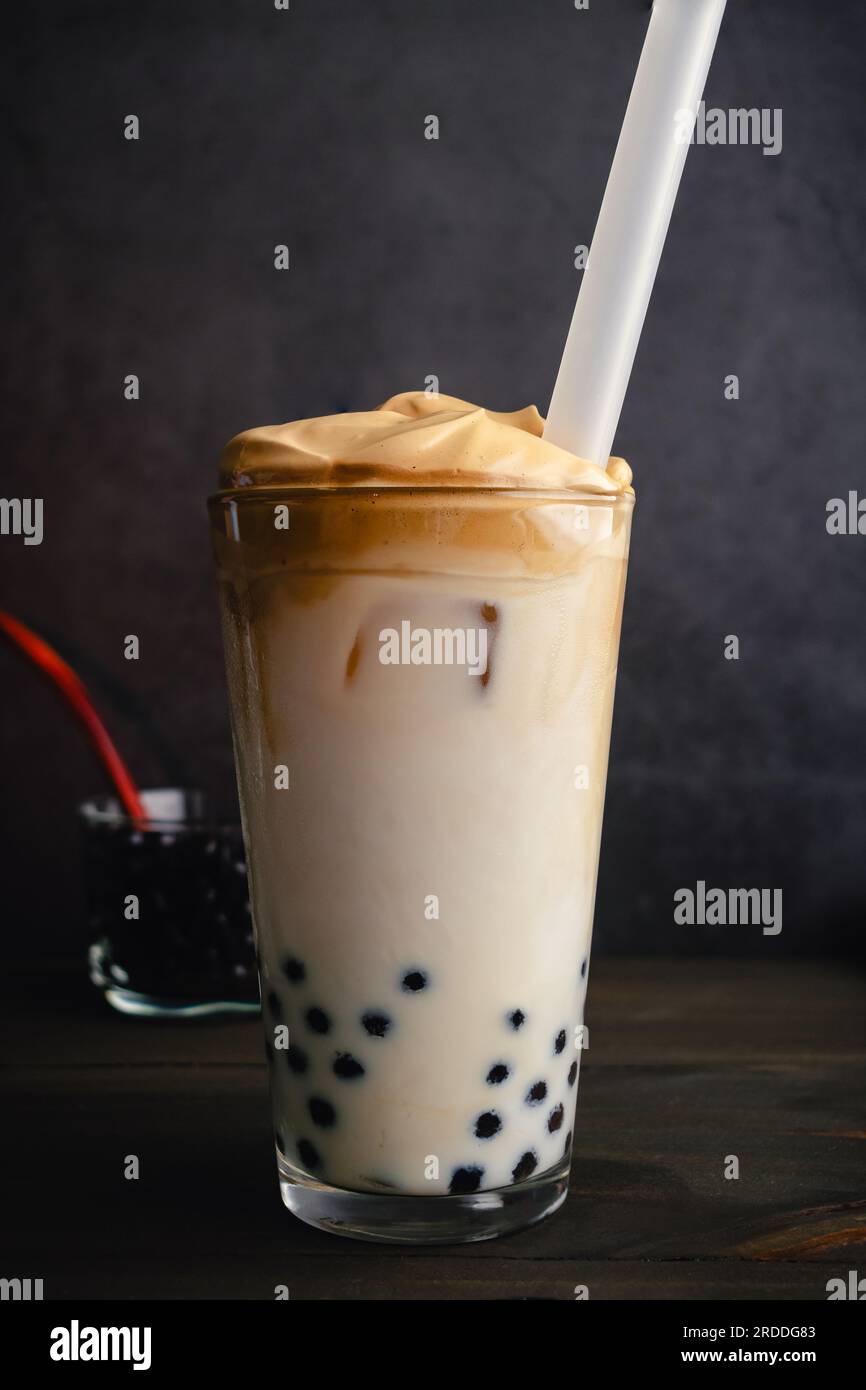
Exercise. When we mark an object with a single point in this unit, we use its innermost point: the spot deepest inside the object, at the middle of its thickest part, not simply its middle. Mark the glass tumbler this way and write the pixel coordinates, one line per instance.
(421, 684)
(168, 908)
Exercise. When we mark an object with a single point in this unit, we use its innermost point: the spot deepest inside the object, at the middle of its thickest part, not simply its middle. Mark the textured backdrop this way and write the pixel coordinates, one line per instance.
(454, 257)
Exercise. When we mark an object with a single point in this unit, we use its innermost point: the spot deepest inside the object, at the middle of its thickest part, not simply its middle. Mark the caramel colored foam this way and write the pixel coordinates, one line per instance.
(414, 440)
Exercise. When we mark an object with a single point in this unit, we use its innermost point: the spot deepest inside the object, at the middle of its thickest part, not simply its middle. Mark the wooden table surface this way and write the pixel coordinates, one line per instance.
(689, 1062)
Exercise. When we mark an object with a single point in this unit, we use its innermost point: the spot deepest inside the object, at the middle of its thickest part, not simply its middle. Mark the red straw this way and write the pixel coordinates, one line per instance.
(75, 693)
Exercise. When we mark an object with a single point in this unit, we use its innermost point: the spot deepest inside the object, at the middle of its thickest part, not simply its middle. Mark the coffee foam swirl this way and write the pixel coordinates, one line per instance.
(414, 440)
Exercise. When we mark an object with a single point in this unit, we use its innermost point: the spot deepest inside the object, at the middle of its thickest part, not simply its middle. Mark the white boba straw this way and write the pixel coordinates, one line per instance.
(631, 228)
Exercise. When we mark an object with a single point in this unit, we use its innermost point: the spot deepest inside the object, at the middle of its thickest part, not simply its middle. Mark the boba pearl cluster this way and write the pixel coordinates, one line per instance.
(327, 1060)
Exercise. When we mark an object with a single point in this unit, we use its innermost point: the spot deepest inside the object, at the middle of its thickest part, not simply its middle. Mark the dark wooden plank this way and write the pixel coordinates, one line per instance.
(331, 1276)
(647, 1180)
(688, 1063)
(640, 1011)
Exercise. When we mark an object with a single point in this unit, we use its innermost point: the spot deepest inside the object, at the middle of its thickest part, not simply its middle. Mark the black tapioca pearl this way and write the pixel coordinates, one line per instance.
(294, 970)
(497, 1074)
(567, 1149)
(559, 1042)
(274, 1004)
(517, 1018)
(317, 1020)
(583, 965)
(347, 1067)
(555, 1118)
(572, 1074)
(526, 1165)
(487, 1125)
(376, 1024)
(415, 980)
(309, 1155)
(536, 1093)
(322, 1112)
(297, 1060)
(465, 1180)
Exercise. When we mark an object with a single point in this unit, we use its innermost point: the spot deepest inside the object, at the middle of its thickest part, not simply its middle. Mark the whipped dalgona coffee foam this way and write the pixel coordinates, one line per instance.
(421, 611)
(414, 440)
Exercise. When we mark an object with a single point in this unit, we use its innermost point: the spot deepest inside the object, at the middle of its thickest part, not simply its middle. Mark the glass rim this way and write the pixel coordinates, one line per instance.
(106, 810)
(269, 492)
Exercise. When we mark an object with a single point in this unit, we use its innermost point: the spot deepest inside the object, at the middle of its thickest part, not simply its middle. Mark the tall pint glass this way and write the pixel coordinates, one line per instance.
(421, 683)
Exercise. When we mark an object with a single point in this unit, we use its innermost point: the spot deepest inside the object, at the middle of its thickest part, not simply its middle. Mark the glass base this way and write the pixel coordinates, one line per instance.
(407, 1219)
(127, 1001)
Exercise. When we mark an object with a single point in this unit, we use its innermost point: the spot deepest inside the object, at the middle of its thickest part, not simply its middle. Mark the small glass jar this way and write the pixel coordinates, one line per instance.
(168, 908)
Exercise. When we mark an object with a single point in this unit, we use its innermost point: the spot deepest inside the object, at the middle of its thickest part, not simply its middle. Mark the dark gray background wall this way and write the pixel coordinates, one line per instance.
(412, 257)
